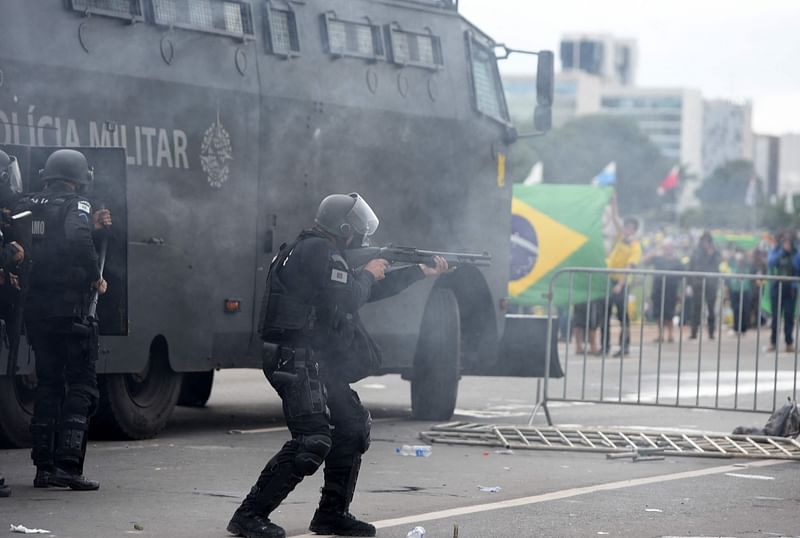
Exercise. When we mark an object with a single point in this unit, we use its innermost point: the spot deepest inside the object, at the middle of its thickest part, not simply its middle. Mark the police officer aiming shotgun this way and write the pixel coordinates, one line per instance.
(315, 345)
(64, 274)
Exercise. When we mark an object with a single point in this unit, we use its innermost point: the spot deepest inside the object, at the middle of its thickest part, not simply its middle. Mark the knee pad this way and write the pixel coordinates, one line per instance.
(311, 453)
(82, 399)
(355, 433)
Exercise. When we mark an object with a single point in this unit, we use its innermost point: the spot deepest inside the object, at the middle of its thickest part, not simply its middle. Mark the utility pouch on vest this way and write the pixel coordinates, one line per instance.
(285, 312)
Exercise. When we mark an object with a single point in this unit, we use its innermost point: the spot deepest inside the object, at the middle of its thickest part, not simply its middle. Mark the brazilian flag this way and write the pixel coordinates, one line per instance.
(552, 227)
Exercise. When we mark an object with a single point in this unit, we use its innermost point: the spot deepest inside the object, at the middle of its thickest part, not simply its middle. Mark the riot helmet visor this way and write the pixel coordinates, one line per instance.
(361, 217)
(14, 176)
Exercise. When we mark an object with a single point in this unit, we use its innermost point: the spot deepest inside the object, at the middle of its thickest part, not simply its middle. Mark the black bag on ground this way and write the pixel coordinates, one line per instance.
(785, 422)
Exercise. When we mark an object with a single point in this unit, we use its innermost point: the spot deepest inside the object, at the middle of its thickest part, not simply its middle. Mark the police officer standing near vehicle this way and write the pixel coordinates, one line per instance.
(11, 253)
(315, 346)
(64, 276)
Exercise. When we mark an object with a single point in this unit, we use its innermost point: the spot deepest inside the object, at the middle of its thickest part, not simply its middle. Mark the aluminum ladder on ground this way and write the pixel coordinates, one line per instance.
(694, 444)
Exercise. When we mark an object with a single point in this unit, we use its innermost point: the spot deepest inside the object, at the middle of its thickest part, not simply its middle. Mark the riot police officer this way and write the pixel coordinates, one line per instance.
(315, 345)
(64, 274)
(11, 253)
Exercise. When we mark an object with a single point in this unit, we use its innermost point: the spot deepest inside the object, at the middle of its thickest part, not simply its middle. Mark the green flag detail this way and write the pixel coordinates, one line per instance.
(552, 227)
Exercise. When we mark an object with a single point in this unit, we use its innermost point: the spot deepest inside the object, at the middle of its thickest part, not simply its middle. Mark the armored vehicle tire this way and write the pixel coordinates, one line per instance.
(138, 406)
(196, 388)
(16, 409)
(434, 384)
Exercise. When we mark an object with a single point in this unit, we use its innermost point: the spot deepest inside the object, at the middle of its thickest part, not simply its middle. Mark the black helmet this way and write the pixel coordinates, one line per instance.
(343, 215)
(67, 165)
(10, 176)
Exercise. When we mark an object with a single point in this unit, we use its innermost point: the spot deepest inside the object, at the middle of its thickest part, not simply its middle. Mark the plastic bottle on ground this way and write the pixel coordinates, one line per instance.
(416, 532)
(422, 451)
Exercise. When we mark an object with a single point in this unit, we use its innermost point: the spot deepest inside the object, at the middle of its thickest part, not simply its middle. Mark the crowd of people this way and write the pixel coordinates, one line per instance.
(693, 297)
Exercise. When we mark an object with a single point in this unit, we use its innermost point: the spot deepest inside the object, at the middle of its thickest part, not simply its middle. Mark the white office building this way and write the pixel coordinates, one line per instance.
(672, 118)
(789, 166)
(727, 133)
(575, 94)
(611, 59)
(766, 161)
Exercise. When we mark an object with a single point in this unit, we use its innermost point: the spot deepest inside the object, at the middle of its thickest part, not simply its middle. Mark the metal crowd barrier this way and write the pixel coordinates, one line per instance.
(716, 370)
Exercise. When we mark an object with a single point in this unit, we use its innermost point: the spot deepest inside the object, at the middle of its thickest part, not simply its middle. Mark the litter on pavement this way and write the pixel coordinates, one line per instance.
(490, 489)
(22, 529)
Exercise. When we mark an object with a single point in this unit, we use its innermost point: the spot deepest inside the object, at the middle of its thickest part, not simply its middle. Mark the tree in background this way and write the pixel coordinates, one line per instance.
(576, 152)
(726, 203)
(726, 187)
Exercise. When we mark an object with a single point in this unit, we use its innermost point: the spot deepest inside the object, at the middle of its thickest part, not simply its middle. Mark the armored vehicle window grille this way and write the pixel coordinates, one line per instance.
(227, 17)
(124, 9)
(281, 26)
(488, 90)
(353, 38)
(413, 48)
(446, 4)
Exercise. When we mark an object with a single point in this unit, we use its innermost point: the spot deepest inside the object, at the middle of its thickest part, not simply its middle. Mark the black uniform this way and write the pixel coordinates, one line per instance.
(702, 261)
(8, 294)
(320, 346)
(65, 264)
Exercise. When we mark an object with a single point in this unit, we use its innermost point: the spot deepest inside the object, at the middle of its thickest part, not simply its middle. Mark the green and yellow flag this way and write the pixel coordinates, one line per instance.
(556, 226)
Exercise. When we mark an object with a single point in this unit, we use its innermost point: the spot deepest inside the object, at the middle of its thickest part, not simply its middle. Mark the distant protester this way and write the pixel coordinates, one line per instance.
(664, 294)
(626, 254)
(739, 290)
(585, 322)
(704, 259)
(783, 260)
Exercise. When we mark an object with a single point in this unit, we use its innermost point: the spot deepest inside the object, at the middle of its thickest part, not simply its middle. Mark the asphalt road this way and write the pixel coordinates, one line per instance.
(189, 480)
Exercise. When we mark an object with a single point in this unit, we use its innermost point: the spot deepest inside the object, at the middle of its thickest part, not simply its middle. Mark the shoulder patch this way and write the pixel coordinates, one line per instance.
(339, 276)
(85, 206)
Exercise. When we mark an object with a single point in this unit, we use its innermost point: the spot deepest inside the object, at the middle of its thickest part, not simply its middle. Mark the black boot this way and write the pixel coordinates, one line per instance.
(5, 490)
(245, 523)
(332, 516)
(43, 432)
(340, 524)
(65, 478)
(43, 476)
(70, 453)
(276, 481)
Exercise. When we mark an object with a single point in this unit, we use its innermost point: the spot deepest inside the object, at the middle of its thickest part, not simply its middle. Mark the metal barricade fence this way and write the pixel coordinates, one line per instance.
(708, 368)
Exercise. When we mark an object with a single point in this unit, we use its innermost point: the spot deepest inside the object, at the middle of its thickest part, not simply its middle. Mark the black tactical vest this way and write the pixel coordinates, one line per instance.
(54, 271)
(285, 317)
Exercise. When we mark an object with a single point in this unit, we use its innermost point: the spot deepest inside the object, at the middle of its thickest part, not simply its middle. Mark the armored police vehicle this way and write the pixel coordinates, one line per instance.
(215, 128)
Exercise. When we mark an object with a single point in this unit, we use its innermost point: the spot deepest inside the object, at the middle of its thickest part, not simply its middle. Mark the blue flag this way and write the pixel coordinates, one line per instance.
(608, 176)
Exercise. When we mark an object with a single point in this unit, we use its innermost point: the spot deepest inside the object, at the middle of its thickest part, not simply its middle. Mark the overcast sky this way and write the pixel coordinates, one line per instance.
(733, 49)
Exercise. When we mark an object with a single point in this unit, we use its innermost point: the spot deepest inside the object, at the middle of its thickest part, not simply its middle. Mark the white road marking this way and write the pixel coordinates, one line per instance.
(553, 496)
(284, 428)
(752, 476)
(259, 430)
